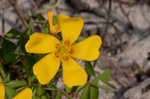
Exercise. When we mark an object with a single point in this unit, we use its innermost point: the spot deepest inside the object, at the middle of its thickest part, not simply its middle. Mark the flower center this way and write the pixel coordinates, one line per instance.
(64, 50)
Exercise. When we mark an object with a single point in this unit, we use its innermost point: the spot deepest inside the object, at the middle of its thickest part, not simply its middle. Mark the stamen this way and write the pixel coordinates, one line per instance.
(57, 45)
(71, 51)
(56, 55)
(65, 58)
(67, 43)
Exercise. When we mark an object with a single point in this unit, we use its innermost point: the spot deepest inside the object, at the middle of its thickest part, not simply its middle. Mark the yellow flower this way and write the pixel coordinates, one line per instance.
(24, 94)
(54, 28)
(63, 52)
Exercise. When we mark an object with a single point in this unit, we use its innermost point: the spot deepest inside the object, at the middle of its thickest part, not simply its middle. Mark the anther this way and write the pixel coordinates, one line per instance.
(67, 42)
(57, 45)
(56, 55)
(71, 51)
(65, 58)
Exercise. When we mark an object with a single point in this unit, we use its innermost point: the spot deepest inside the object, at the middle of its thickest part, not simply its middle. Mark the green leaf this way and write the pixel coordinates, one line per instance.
(10, 57)
(44, 97)
(40, 91)
(10, 92)
(54, 19)
(21, 44)
(8, 46)
(40, 17)
(13, 33)
(7, 79)
(8, 51)
(59, 95)
(16, 84)
(89, 68)
(86, 93)
(94, 92)
(46, 28)
(51, 86)
(30, 60)
(68, 89)
(110, 85)
(105, 77)
(28, 31)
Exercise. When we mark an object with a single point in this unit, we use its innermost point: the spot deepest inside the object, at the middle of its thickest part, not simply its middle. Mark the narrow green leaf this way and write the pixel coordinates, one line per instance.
(105, 77)
(13, 33)
(89, 68)
(10, 92)
(8, 46)
(7, 79)
(30, 60)
(30, 28)
(54, 19)
(10, 57)
(44, 97)
(46, 28)
(21, 44)
(110, 85)
(94, 92)
(40, 17)
(59, 95)
(68, 89)
(86, 93)
(16, 84)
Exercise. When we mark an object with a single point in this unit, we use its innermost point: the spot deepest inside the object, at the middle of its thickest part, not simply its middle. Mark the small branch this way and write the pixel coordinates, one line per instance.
(2, 71)
(19, 12)
(34, 4)
(3, 22)
(108, 16)
(47, 9)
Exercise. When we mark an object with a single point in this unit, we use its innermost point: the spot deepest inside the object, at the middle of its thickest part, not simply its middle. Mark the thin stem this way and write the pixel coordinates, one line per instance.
(19, 12)
(2, 71)
(47, 9)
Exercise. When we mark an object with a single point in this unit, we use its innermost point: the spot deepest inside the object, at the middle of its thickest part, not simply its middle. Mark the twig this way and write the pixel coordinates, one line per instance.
(19, 12)
(107, 23)
(34, 4)
(3, 22)
(108, 16)
(47, 9)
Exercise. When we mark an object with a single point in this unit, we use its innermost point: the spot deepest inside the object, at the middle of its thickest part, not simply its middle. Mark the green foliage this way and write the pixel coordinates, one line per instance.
(13, 33)
(89, 69)
(86, 93)
(46, 28)
(54, 19)
(40, 18)
(59, 95)
(16, 69)
(10, 92)
(105, 77)
(16, 84)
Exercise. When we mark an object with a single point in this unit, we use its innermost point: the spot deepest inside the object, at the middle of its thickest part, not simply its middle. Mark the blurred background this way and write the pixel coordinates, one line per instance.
(124, 26)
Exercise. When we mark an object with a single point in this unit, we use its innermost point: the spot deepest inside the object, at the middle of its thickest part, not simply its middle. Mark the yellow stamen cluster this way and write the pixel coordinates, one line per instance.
(64, 50)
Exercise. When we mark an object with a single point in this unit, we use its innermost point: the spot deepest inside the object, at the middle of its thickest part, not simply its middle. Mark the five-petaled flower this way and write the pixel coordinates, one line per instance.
(24, 94)
(63, 52)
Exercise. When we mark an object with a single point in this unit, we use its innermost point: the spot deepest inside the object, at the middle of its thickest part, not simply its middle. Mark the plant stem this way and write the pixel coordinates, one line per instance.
(2, 71)
(47, 9)
(19, 12)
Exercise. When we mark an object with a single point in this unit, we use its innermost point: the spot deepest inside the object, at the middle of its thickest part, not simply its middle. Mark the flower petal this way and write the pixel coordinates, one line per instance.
(70, 27)
(2, 91)
(46, 68)
(53, 28)
(73, 73)
(41, 43)
(24, 94)
(87, 49)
